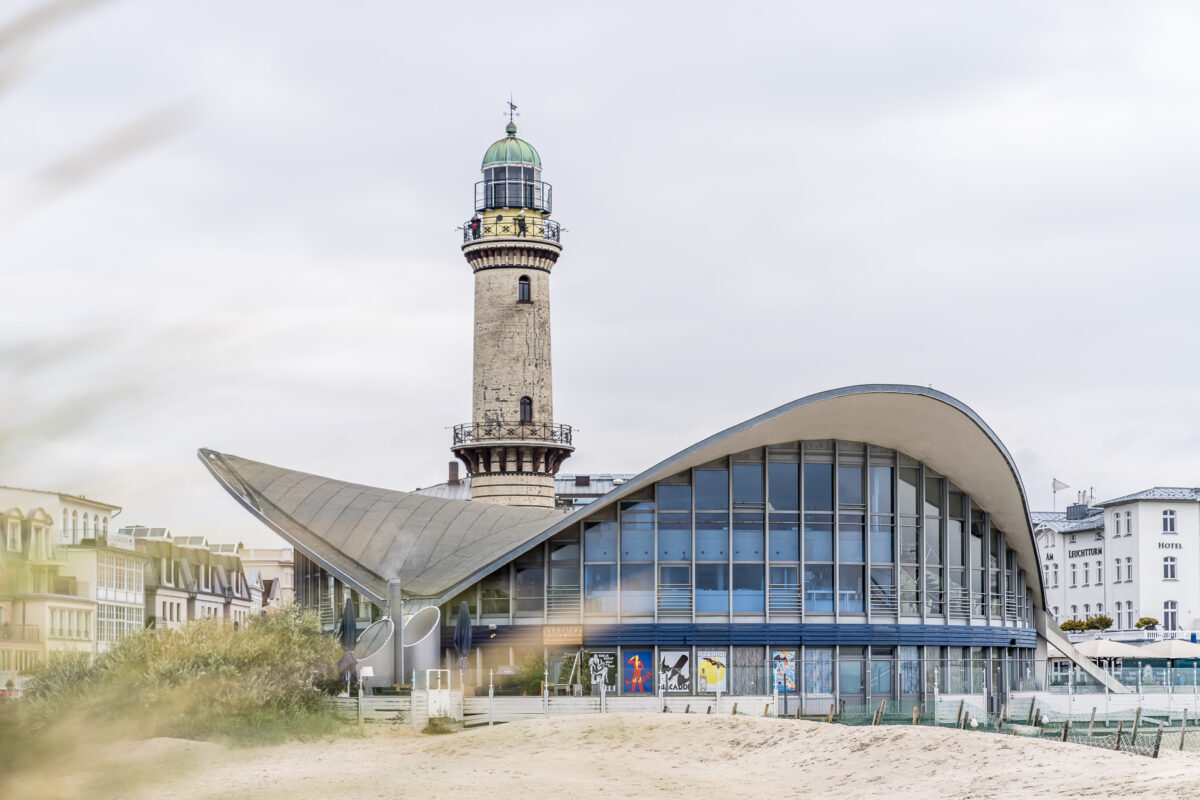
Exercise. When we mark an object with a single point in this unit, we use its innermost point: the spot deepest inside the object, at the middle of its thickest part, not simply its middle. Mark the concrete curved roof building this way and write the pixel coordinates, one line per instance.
(870, 542)
(869, 525)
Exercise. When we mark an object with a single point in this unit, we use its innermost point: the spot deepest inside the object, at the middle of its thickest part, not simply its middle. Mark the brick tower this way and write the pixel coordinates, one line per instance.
(511, 447)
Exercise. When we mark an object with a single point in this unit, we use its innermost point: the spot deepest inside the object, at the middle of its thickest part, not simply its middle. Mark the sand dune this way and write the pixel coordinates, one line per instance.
(636, 756)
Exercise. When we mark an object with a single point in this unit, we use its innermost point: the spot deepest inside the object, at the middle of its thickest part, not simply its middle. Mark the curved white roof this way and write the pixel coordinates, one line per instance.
(438, 547)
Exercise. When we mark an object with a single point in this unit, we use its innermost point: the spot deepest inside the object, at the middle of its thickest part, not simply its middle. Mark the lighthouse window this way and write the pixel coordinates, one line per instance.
(523, 289)
(526, 409)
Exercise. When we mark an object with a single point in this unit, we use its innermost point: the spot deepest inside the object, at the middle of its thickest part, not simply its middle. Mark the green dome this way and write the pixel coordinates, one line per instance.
(511, 150)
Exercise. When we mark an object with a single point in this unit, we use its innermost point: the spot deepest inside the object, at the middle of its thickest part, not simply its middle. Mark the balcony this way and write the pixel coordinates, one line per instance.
(489, 432)
(520, 193)
(563, 602)
(20, 633)
(509, 227)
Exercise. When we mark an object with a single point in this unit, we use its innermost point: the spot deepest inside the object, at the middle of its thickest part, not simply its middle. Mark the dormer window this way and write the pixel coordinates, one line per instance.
(526, 409)
(523, 293)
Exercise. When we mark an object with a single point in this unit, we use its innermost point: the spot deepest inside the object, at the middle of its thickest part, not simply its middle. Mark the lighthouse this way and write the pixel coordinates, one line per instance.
(512, 447)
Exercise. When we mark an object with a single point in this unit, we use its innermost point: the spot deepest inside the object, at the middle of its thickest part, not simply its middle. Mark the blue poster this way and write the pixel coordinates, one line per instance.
(638, 671)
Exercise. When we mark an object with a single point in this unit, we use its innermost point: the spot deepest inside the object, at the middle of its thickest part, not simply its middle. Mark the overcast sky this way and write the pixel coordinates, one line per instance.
(232, 225)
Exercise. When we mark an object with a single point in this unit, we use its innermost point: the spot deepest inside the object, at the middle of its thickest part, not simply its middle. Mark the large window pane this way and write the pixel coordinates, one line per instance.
(785, 537)
(530, 586)
(600, 541)
(881, 490)
(882, 540)
(818, 539)
(783, 480)
(818, 588)
(933, 541)
(674, 498)
(712, 537)
(850, 675)
(637, 531)
(909, 478)
(674, 537)
(954, 543)
(818, 487)
(562, 550)
(495, 592)
(748, 588)
(933, 497)
(851, 546)
(850, 486)
(712, 588)
(747, 484)
(712, 488)
(637, 589)
(908, 542)
(600, 588)
(747, 537)
(850, 588)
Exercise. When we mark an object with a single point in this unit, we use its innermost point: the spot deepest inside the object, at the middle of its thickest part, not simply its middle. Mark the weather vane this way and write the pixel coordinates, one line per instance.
(512, 109)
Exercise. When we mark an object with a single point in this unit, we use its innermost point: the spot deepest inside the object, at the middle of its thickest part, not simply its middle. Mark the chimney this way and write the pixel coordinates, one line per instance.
(454, 481)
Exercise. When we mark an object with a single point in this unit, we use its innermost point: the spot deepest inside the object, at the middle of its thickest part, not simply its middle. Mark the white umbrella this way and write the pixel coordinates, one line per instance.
(1170, 648)
(1106, 648)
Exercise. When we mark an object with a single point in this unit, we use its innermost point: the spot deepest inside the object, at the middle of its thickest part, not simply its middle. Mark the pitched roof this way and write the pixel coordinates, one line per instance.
(1057, 521)
(366, 535)
(1157, 493)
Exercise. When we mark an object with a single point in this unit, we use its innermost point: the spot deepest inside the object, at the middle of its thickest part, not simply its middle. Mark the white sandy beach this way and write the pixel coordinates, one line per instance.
(642, 756)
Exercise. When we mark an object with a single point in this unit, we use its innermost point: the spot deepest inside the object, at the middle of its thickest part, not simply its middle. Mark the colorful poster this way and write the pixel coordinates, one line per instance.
(675, 670)
(602, 669)
(818, 670)
(638, 672)
(783, 668)
(712, 667)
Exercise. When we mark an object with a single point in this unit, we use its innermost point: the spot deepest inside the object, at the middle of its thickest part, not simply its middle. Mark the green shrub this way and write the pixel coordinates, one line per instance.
(1100, 622)
(1073, 625)
(530, 674)
(205, 680)
(1149, 623)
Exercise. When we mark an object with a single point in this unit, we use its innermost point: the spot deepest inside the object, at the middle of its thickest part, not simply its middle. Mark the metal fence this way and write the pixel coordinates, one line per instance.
(1144, 732)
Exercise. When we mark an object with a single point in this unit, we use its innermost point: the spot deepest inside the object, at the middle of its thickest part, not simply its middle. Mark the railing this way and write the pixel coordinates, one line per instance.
(786, 598)
(935, 602)
(511, 227)
(537, 195)
(959, 603)
(470, 432)
(20, 633)
(563, 601)
(1135, 635)
(674, 600)
(883, 599)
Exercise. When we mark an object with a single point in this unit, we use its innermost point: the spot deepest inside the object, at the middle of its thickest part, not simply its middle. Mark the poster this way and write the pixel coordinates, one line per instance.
(602, 669)
(637, 672)
(711, 667)
(783, 669)
(675, 670)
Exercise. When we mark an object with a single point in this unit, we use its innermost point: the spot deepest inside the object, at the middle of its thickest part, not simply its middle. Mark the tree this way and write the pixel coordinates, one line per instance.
(1073, 625)
(1146, 623)
(1100, 622)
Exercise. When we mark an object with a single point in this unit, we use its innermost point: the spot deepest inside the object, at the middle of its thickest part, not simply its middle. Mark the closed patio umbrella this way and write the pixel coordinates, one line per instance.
(462, 638)
(349, 632)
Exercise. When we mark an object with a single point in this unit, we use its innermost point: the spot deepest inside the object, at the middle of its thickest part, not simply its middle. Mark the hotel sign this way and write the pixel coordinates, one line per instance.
(1087, 551)
(562, 634)
(1170, 546)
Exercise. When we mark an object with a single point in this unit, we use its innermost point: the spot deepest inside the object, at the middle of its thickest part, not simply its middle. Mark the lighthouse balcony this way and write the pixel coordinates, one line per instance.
(517, 432)
(507, 226)
(519, 189)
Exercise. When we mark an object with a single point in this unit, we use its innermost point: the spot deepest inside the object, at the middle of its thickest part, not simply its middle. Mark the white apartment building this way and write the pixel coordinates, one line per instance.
(1131, 557)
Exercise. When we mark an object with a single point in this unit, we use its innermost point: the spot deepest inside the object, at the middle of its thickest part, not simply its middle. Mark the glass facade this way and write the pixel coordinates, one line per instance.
(817, 531)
